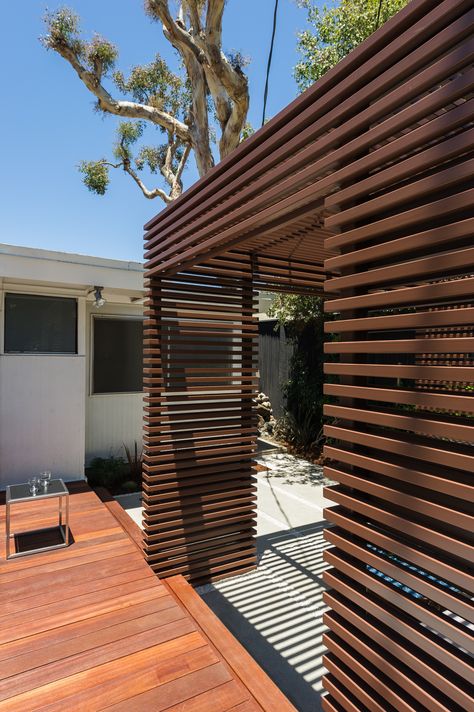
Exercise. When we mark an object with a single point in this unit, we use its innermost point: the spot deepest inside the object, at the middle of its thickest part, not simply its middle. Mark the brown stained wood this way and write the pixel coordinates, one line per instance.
(292, 128)
(443, 598)
(224, 698)
(441, 401)
(66, 633)
(46, 596)
(264, 691)
(93, 631)
(69, 577)
(129, 526)
(371, 169)
(94, 549)
(247, 706)
(347, 103)
(365, 695)
(403, 521)
(175, 692)
(99, 654)
(200, 424)
(401, 678)
(88, 642)
(153, 667)
(352, 623)
(86, 605)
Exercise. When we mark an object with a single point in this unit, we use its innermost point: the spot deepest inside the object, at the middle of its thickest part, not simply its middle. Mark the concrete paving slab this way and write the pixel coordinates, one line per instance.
(276, 611)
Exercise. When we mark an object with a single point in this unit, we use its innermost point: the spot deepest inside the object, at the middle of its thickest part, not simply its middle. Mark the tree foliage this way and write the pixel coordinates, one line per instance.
(295, 310)
(335, 30)
(205, 101)
(303, 320)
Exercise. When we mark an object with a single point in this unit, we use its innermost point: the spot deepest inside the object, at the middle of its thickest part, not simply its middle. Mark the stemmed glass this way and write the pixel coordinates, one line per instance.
(34, 484)
(45, 479)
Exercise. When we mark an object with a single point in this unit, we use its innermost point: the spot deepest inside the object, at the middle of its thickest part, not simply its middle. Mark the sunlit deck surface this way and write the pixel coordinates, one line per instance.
(90, 627)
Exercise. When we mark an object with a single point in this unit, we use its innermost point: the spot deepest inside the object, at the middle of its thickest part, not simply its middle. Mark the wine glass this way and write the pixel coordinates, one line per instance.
(45, 479)
(34, 483)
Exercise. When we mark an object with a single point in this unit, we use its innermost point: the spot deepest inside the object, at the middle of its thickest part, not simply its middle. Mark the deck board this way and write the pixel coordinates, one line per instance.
(91, 627)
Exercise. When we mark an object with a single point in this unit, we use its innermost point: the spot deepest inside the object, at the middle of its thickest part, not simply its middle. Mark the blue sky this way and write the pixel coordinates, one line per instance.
(48, 124)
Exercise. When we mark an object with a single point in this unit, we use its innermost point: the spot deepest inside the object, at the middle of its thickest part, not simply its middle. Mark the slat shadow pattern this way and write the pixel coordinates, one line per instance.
(401, 383)
(200, 429)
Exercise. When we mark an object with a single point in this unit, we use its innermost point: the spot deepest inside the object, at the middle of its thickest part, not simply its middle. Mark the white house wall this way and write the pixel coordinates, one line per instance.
(42, 413)
(49, 417)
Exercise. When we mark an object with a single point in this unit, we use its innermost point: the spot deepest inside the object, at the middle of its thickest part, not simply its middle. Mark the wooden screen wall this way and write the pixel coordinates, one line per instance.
(200, 377)
(400, 455)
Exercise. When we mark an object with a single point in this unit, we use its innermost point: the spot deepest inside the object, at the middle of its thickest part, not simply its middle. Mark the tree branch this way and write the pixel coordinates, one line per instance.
(175, 32)
(182, 163)
(127, 109)
(234, 82)
(193, 58)
(224, 79)
(150, 194)
(215, 11)
(194, 15)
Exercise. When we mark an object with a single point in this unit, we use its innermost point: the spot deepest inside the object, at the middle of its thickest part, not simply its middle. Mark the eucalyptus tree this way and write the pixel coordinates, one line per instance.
(204, 102)
(334, 30)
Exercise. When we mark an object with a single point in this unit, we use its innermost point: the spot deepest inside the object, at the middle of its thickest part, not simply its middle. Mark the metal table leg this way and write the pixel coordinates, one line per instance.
(8, 530)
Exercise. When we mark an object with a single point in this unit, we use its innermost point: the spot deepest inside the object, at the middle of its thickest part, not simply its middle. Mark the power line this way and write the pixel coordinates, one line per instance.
(377, 19)
(269, 63)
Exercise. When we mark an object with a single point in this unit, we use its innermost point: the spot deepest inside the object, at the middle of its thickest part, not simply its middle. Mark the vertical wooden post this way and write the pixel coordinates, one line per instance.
(200, 427)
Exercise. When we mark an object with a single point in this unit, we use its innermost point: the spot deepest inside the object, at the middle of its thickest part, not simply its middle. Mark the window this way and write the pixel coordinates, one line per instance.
(118, 355)
(43, 325)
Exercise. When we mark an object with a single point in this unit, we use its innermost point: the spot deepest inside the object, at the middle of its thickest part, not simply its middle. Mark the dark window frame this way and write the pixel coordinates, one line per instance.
(108, 317)
(39, 296)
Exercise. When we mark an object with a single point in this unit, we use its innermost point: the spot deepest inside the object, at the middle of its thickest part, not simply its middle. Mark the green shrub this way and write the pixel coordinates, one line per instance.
(301, 425)
(117, 474)
(108, 472)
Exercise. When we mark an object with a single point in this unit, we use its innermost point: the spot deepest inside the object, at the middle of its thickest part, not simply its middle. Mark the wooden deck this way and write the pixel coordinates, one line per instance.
(90, 627)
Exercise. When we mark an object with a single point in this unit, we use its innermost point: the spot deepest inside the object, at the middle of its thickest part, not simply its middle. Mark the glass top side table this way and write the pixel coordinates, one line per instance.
(21, 493)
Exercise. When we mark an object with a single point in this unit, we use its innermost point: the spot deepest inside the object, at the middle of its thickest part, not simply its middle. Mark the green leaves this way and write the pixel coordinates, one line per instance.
(63, 29)
(152, 157)
(128, 133)
(336, 30)
(296, 310)
(101, 55)
(95, 175)
(155, 84)
(246, 132)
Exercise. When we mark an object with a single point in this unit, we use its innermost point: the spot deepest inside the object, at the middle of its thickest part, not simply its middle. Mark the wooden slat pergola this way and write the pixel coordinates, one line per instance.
(361, 188)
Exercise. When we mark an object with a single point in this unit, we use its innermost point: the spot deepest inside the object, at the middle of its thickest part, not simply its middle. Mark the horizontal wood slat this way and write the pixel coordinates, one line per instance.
(200, 426)
(370, 170)
(400, 360)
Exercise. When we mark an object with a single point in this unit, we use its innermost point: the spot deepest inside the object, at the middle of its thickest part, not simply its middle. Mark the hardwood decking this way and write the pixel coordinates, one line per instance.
(90, 627)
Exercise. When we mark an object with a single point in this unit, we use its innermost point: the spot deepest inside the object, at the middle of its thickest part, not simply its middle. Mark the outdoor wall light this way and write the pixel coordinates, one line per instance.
(99, 300)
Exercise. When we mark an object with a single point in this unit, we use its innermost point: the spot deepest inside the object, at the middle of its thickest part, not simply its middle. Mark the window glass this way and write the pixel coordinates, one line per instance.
(37, 324)
(118, 355)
